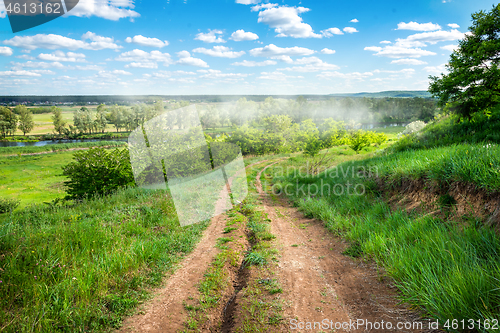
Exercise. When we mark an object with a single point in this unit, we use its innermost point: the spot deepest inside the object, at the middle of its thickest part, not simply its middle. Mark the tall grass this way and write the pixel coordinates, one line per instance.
(477, 164)
(81, 268)
(451, 130)
(447, 271)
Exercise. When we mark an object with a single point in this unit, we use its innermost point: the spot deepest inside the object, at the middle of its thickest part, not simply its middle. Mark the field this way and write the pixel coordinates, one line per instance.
(422, 220)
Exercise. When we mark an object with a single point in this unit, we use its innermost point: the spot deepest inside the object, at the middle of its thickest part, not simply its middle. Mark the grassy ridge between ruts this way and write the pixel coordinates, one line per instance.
(446, 269)
(81, 268)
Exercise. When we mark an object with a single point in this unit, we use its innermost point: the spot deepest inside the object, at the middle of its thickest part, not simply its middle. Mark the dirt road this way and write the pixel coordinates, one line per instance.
(320, 284)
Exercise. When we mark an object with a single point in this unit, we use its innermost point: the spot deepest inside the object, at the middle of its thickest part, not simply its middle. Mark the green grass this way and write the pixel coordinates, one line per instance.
(449, 271)
(449, 130)
(33, 179)
(6, 151)
(477, 164)
(82, 268)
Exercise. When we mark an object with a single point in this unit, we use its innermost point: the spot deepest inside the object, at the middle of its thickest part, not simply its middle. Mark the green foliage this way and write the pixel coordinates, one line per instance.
(359, 140)
(81, 268)
(450, 130)
(98, 171)
(449, 271)
(26, 123)
(57, 119)
(8, 121)
(473, 82)
(313, 147)
(7, 205)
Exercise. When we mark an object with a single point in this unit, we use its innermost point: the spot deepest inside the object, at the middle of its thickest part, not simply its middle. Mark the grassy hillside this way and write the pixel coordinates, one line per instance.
(450, 130)
(447, 266)
(81, 268)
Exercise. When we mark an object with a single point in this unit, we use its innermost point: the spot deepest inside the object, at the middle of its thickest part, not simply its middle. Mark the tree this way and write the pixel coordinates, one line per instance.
(473, 82)
(57, 119)
(8, 121)
(26, 123)
(100, 118)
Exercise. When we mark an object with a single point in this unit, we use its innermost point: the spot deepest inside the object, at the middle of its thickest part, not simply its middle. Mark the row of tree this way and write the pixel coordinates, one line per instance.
(280, 134)
(11, 120)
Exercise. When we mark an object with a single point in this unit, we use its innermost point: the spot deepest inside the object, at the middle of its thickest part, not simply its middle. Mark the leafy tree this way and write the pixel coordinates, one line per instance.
(98, 171)
(57, 119)
(359, 140)
(473, 82)
(313, 146)
(100, 118)
(26, 123)
(115, 116)
(8, 121)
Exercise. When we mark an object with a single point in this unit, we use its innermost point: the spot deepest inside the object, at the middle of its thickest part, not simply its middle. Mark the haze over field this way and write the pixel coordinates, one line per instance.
(233, 47)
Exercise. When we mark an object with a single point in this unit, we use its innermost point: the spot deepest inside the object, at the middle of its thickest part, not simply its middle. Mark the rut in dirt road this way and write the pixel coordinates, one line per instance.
(319, 282)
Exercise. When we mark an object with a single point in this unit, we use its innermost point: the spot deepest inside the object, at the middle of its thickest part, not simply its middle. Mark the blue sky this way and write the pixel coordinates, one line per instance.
(234, 47)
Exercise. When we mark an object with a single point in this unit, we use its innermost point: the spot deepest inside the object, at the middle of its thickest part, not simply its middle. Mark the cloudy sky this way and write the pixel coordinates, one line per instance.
(234, 47)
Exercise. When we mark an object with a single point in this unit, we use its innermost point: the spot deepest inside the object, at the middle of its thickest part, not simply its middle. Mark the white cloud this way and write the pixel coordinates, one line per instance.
(273, 50)
(385, 42)
(142, 57)
(331, 31)
(408, 62)
(107, 9)
(5, 51)
(354, 21)
(52, 42)
(242, 35)
(36, 64)
(406, 72)
(453, 25)
(436, 69)
(432, 37)
(152, 65)
(146, 41)
(26, 57)
(277, 76)
(216, 74)
(89, 68)
(19, 73)
(210, 37)
(61, 56)
(186, 59)
(219, 51)
(247, 2)
(327, 51)
(418, 26)
(287, 22)
(264, 6)
(350, 30)
(283, 58)
(247, 63)
(347, 76)
(311, 64)
(391, 51)
(450, 48)
(112, 74)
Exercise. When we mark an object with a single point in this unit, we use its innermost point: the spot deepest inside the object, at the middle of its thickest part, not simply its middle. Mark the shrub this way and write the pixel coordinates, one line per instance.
(8, 205)
(98, 171)
(360, 139)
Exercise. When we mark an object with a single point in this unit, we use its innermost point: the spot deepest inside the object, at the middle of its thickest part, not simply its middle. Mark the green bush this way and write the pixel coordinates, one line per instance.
(98, 171)
(8, 205)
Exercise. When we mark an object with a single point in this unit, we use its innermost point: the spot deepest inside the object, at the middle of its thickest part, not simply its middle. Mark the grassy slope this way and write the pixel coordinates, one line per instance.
(449, 271)
(81, 268)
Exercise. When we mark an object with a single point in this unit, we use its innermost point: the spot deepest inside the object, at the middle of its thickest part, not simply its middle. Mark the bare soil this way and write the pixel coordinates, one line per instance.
(318, 281)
